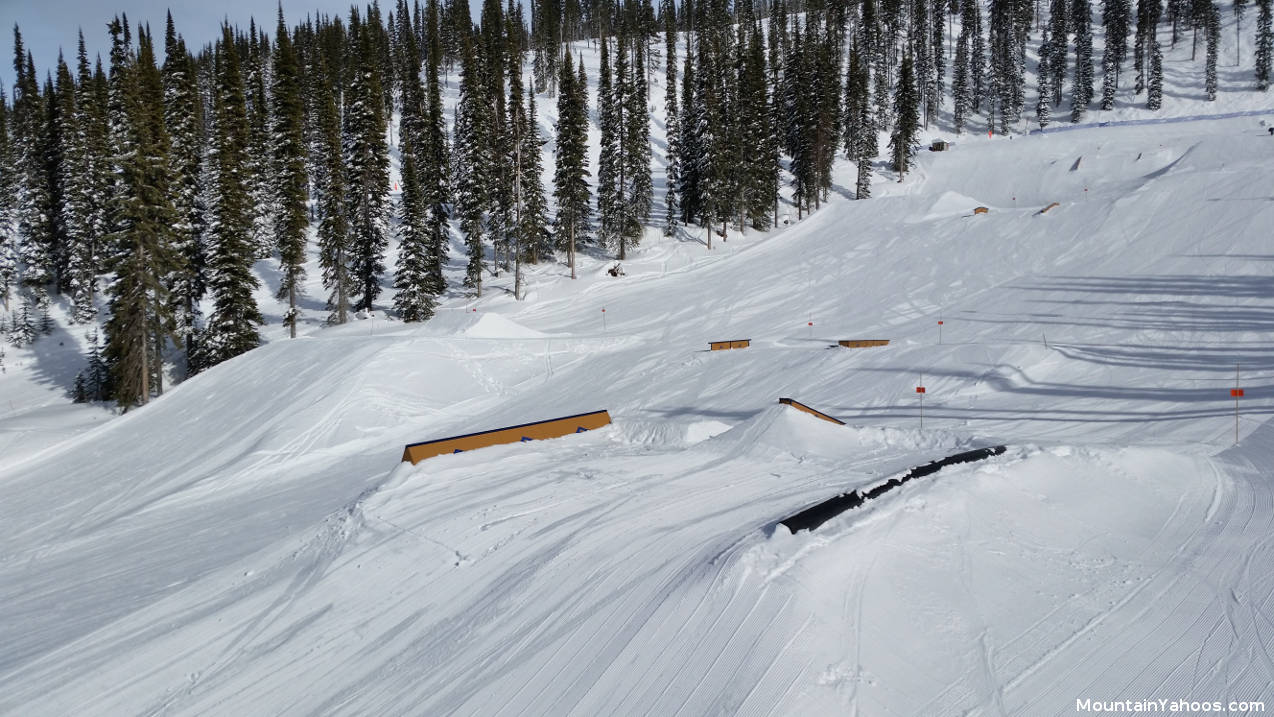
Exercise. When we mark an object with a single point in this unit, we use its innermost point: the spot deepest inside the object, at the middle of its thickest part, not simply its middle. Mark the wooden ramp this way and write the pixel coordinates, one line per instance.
(813, 412)
(1045, 209)
(552, 428)
(862, 343)
(726, 345)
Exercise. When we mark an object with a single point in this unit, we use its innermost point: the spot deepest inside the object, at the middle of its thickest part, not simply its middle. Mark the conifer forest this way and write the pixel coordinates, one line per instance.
(142, 187)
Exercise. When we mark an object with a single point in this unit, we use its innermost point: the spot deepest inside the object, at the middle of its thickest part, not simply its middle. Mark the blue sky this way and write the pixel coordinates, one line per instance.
(49, 24)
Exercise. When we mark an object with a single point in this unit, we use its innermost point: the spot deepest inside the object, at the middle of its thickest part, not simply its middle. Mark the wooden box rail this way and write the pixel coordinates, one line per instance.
(724, 345)
(552, 428)
(813, 412)
(862, 343)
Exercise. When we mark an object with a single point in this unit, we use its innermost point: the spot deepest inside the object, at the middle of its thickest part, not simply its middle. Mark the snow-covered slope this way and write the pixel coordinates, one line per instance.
(250, 544)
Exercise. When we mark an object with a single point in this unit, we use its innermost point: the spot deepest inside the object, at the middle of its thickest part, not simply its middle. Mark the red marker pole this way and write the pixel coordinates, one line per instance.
(603, 320)
(921, 390)
(811, 325)
(939, 332)
(1237, 393)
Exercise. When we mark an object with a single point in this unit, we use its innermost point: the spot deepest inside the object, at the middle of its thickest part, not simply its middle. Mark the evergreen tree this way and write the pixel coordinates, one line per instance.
(1115, 18)
(8, 234)
(291, 183)
(690, 145)
(1214, 39)
(183, 116)
(1264, 44)
(141, 253)
(260, 167)
(608, 113)
(81, 207)
(570, 174)
(366, 168)
(535, 238)
(672, 159)
(859, 131)
(231, 327)
(416, 297)
(34, 205)
(962, 84)
(1083, 83)
(1059, 27)
(635, 188)
(1154, 86)
(906, 109)
(1043, 107)
(472, 164)
(333, 229)
(434, 158)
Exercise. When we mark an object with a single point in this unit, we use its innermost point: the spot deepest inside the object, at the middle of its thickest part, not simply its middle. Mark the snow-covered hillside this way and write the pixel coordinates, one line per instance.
(249, 543)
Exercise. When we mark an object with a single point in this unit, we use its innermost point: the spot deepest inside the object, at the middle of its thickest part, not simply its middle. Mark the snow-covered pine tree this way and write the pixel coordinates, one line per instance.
(1044, 104)
(774, 136)
(1154, 84)
(977, 61)
(1056, 61)
(1082, 85)
(416, 297)
(366, 167)
(536, 240)
(1115, 18)
(8, 233)
(757, 130)
(907, 110)
(141, 246)
(434, 156)
(87, 185)
(672, 159)
(1213, 27)
(333, 229)
(291, 220)
(61, 153)
(961, 83)
(231, 328)
(609, 158)
(570, 173)
(1264, 44)
(260, 167)
(34, 205)
(635, 184)
(690, 144)
(471, 146)
(183, 116)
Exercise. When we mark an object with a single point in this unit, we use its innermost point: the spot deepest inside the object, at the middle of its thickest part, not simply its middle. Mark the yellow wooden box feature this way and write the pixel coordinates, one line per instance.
(725, 345)
(862, 343)
(1045, 209)
(813, 412)
(538, 431)
(980, 210)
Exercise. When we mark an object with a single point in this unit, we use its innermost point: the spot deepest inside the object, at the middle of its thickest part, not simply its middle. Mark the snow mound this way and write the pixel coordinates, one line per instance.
(495, 326)
(951, 204)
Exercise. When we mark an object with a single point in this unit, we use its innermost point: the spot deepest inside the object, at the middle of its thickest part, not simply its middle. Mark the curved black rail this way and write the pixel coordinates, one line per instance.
(820, 513)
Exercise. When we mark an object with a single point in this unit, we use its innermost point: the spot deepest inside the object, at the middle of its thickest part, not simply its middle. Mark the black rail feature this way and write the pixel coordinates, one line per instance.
(815, 515)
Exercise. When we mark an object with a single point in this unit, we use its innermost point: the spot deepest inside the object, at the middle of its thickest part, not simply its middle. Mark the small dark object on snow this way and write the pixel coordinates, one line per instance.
(939, 145)
(616, 270)
(1272, 131)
